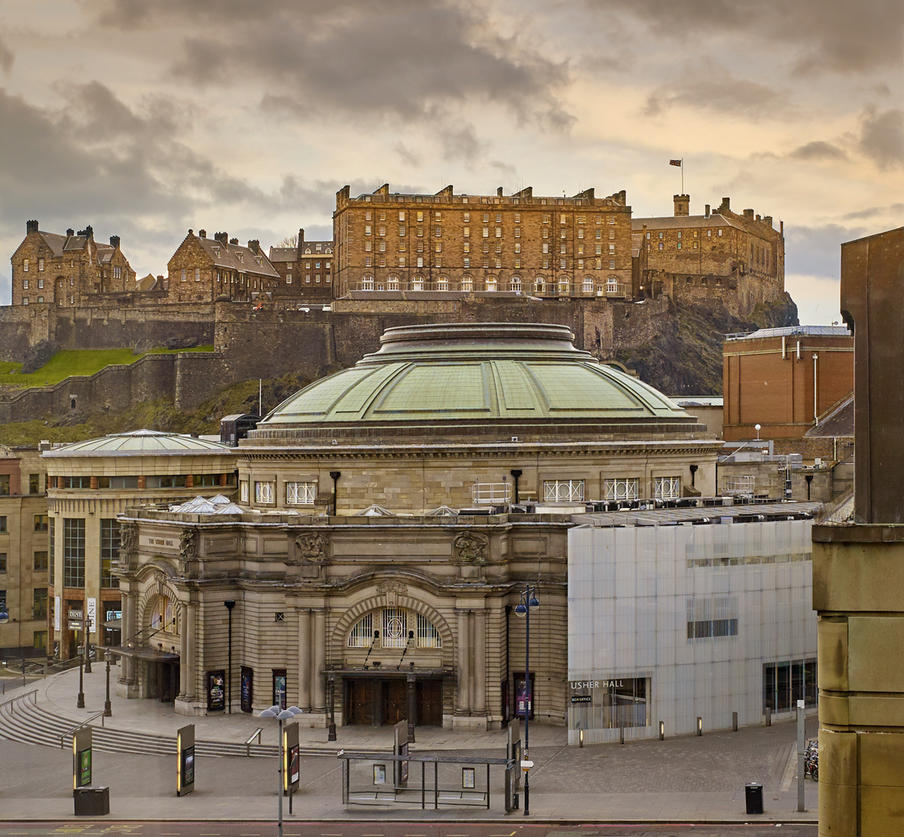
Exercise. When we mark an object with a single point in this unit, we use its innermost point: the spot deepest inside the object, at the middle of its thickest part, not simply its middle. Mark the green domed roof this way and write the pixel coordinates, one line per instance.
(475, 371)
(141, 443)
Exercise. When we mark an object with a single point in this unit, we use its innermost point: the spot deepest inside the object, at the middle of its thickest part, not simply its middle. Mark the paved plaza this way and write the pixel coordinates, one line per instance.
(693, 778)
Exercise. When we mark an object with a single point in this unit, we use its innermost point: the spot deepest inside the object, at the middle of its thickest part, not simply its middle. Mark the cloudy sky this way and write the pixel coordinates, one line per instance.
(146, 118)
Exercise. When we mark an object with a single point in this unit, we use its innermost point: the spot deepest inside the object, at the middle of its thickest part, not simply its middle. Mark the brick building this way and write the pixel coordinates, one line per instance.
(67, 269)
(206, 269)
(306, 269)
(783, 379)
(717, 245)
(389, 243)
(23, 552)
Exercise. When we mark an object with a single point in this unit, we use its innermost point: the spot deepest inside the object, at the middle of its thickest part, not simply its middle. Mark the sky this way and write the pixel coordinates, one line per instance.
(145, 119)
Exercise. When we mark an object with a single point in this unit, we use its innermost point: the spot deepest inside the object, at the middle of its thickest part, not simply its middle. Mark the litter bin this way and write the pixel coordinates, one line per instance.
(754, 794)
(92, 802)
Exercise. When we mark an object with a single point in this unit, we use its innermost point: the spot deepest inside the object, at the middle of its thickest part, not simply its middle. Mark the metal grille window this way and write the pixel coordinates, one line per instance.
(73, 552)
(263, 492)
(395, 633)
(300, 493)
(362, 634)
(427, 634)
(621, 488)
(563, 491)
(109, 551)
(666, 488)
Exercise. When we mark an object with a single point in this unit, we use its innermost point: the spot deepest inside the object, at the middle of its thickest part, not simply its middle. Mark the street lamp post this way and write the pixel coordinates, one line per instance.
(528, 600)
(280, 715)
(108, 709)
(80, 699)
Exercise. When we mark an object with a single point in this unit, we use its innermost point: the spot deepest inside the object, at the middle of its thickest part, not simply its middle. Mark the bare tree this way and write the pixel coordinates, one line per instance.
(289, 241)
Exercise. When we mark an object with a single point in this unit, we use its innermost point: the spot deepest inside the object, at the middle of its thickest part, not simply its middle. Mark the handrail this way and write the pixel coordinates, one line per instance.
(79, 726)
(256, 734)
(20, 697)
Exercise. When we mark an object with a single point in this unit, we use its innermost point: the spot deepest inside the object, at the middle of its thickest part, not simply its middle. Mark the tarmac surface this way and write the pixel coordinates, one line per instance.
(686, 779)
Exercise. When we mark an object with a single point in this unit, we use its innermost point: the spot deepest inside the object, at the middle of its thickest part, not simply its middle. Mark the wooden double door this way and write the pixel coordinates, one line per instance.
(377, 701)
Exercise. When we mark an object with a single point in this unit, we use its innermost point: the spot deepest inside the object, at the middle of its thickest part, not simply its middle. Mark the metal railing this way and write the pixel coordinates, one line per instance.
(256, 734)
(71, 732)
(33, 694)
(491, 493)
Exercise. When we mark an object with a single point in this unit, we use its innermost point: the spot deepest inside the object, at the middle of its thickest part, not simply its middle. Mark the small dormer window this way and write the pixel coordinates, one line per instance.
(240, 257)
(318, 247)
(216, 252)
(307, 251)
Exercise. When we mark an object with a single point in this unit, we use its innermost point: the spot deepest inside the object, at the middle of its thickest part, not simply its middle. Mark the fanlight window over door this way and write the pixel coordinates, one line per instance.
(394, 624)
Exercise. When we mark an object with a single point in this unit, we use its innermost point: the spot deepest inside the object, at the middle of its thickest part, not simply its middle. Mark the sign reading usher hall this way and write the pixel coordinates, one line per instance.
(596, 684)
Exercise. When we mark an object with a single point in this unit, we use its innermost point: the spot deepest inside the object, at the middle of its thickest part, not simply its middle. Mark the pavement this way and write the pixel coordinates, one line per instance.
(683, 779)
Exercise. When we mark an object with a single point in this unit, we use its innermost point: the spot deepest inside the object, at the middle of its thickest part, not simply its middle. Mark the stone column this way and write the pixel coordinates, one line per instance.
(479, 674)
(304, 659)
(192, 655)
(129, 629)
(463, 698)
(319, 654)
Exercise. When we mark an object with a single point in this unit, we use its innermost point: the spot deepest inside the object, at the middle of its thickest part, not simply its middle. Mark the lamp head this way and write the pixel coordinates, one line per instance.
(520, 609)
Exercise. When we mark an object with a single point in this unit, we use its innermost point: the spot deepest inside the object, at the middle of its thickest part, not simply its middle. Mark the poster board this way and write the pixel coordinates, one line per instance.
(400, 748)
(82, 762)
(185, 760)
(291, 754)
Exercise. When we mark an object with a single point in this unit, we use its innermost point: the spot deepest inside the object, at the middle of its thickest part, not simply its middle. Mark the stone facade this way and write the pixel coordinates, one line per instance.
(89, 484)
(24, 559)
(306, 270)
(204, 270)
(68, 270)
(715, 251)
(547, 247)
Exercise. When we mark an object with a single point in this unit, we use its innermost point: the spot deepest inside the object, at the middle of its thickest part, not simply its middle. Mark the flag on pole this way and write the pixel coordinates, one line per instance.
(676, 162)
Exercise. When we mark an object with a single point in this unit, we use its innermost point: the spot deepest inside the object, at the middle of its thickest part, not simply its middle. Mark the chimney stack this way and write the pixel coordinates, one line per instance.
(202, 233)
(222, 237)
(254, 246)
(498, 191)
(233, 241)
(114, 242)
(31, 226)
(300, 238)
(70, 232)
(706, 211)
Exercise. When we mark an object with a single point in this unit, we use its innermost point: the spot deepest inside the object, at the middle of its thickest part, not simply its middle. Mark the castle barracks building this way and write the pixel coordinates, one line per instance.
(381, 541)
(306, 270)
(67, 270)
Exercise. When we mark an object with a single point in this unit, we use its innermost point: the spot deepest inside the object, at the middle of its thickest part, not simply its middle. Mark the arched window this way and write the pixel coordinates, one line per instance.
(392, 284)
(515, 284)
(367, 282)
(161, 615)
(491, 283)
(564, 285)
(467, 283)
(394, 627)
(442, 284)
(612, 285)
(539, 285)
(417, 284)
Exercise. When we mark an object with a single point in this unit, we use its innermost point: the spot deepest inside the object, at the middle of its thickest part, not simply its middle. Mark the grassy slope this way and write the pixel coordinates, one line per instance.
(155, 415)
(75, 362)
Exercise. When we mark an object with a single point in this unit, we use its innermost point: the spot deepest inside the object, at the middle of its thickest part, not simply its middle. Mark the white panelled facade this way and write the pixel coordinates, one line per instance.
(671, 623)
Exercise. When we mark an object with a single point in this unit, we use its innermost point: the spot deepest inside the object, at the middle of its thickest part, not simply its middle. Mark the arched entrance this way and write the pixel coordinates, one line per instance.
(158, 651)
(393, 668)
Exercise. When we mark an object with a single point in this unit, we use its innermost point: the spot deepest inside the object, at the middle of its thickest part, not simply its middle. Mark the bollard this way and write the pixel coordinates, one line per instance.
(662, 730)
(580, 738)
(699, 725)
(768, 717)
(621, 735)
(734, 721)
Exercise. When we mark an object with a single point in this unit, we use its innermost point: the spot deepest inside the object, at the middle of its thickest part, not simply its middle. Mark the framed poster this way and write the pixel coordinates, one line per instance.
(294, 765)
(247, 688)
(379, 774)
(469, 778)
(524, 692)
(280, 686)
(84, 767)
(216, 690)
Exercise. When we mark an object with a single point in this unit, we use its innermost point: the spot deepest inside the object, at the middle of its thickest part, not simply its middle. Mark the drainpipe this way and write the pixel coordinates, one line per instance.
(334, 475)
(516, 474)
(815, 389)
(509, 692)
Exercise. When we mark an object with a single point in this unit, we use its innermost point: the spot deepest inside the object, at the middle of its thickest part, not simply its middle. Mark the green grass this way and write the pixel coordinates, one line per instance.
(76, 362)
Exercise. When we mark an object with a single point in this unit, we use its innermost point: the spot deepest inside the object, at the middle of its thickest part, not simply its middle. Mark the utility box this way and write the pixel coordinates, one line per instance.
(92, 801)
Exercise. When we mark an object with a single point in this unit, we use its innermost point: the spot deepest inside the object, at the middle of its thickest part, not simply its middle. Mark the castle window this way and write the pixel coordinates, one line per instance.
(381, 231)
(517, 262)
(466, 217)
(367, 229)
(563, 219)
(580, 219)
(420, 232)
(486, 232)
(467, 283)
(498, 263)
(40, 264)
(679, 233)
(612, 285)
(599, 264)
(599, 249)
(545, 219)
(517, 247)
(581, 233)
(183, 274)
(25, 284)
(612, 263)
(515, 284)
(25, 300)
(367, 283)
(25, 266)
(562, 233)
(392, 283)
(561, 249)
(611, 249)
(420, 261)
(437, 215)
(545, 247)
(401, 232)
(709, 233)
(660, 245)
(401, 261)
(442, 284)
(197, 274)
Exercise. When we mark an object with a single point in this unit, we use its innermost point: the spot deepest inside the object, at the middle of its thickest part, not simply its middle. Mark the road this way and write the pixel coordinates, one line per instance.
(293, 828)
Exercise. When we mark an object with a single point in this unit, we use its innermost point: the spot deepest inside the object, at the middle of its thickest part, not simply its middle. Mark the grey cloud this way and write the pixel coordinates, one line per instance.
(388, 59)
(460, 143)
(882, 136)
(874, 212)
(816, 250)
(6, 57)
(407, 155)
(837, 36)
(818, 150)
(714, 88)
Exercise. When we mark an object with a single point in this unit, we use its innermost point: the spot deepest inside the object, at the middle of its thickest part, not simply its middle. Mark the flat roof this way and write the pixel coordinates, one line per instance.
(741, 513)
